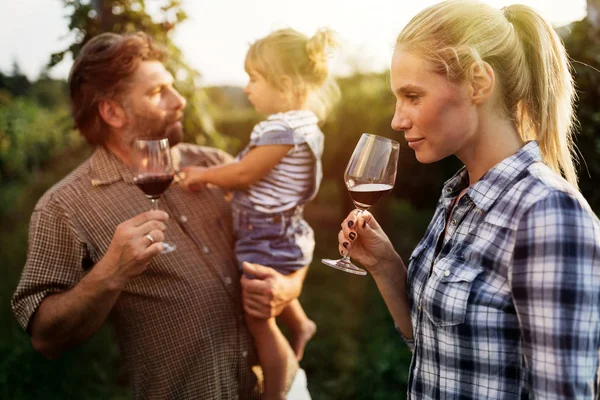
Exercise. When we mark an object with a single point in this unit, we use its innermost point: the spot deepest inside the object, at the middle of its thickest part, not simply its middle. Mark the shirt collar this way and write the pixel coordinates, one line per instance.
(106, 168)
(495, 181)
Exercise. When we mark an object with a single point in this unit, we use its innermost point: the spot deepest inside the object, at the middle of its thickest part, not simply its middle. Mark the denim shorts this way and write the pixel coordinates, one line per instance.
(283, 241)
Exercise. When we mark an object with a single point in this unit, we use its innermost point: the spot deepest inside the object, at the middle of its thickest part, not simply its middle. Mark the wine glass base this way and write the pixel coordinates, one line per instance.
(167, 248)
(344, 265)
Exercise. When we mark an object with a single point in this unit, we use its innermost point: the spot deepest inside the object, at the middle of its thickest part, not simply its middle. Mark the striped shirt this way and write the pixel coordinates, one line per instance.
(180, 324)
(509, 305)
(292, 181)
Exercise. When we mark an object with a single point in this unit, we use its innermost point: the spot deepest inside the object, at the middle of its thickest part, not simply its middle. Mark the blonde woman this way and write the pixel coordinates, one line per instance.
(501, 297)
(275, 175)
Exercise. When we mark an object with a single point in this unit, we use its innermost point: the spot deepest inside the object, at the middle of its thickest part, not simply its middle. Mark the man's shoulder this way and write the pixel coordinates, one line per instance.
(68, 188)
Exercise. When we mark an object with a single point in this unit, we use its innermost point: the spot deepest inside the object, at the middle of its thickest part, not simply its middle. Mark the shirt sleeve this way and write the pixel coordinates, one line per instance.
(54, 260)
(556, 292)
(275, 131)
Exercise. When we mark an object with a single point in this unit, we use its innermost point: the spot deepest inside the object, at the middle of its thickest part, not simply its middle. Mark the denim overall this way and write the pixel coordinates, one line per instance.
(283, 240)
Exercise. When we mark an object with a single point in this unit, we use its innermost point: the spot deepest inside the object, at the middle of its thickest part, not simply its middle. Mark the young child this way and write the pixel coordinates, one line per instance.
(276, 174)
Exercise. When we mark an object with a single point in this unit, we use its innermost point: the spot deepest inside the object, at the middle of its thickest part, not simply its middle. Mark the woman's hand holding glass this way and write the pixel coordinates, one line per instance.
(368, 242)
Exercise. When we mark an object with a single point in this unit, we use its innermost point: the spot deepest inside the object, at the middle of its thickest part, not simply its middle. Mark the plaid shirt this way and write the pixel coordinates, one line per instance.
(179, 324)
(508, 307)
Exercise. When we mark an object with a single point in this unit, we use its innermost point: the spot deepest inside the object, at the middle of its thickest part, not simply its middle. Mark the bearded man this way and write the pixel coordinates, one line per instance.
(94, 249)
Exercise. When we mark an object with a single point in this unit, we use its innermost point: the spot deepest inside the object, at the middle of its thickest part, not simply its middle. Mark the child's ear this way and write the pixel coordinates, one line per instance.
(112, 113)
(483, 81)
(286, 83)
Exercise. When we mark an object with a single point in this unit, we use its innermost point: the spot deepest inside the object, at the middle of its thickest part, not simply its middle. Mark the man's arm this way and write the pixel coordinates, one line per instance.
(270, 292)
(68, 318)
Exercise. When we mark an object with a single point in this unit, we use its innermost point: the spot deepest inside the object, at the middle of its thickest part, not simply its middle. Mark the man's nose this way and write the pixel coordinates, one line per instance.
(179, 101)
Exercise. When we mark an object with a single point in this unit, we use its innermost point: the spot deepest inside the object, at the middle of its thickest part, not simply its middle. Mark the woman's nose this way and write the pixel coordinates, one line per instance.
(400, 122)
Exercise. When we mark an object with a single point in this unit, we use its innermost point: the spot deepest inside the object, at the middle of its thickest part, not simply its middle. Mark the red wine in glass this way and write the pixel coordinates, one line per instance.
(370, 176)
(154, 185)
(153, 171)
(364, 195)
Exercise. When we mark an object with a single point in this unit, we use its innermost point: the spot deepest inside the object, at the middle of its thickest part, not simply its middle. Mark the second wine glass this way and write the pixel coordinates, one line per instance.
(153, 171)
(369, 176)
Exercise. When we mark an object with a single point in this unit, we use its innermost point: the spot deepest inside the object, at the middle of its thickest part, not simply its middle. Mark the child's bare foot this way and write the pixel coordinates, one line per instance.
(301, 337)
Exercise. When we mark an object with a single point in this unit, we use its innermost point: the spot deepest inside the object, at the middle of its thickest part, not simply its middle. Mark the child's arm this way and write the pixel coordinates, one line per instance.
(238, 174)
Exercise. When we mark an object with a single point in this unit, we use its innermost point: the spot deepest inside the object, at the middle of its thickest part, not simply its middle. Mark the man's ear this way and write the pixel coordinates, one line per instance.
(112, 113)
(483, 81)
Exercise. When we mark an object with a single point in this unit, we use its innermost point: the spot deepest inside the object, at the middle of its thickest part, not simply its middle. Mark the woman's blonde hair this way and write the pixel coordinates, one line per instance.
(304, 60)
(527, 56)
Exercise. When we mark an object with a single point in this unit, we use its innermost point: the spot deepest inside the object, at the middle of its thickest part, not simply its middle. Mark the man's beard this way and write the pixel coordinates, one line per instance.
(146, 126)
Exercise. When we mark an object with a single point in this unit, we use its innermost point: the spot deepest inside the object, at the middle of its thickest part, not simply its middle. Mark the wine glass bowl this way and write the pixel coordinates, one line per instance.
(369, 177)
(153, 171)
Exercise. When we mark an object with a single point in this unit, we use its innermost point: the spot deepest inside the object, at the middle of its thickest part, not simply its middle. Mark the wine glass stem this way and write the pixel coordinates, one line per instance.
(154, 204)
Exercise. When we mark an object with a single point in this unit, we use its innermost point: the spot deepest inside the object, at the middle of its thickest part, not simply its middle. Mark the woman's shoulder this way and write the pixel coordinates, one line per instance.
(538, 189)
(543, 189)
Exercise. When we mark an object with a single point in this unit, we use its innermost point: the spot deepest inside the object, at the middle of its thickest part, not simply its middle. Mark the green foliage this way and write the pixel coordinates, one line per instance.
(29, 135)
(17, 83)
(583, 46)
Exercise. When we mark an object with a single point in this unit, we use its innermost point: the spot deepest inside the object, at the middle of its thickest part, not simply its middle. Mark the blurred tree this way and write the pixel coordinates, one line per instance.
(582, 40)
(88, 18)
(49, 93)
(16, 83)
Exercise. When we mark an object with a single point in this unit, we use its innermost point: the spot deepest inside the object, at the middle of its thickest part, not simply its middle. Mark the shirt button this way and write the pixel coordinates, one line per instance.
(244, 353)
(454, 222)
(227, 280)
(205, 250)
(446, 273)
(183, 219)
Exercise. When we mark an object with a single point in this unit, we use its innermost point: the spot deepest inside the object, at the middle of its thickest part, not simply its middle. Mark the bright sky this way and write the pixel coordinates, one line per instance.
(215, 38)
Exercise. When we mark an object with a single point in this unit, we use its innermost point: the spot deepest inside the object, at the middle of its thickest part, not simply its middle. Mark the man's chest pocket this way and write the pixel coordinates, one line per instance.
(446, 294)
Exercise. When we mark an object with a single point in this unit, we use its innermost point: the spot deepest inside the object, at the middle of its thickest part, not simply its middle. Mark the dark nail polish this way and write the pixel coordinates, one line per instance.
(345, 244)
(352, 235)
(350, 224)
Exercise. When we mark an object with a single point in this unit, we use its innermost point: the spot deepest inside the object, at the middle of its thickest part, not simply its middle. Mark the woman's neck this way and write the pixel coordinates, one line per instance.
(497, 139)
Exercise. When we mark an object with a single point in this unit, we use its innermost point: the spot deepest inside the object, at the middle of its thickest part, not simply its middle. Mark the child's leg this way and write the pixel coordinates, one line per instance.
(273, 350)
(302, 329)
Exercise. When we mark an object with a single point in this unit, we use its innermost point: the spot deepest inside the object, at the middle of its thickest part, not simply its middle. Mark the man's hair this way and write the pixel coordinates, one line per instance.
(103, 70)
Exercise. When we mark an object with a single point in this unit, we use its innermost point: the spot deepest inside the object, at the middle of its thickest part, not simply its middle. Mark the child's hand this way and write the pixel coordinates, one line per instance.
(193, 178)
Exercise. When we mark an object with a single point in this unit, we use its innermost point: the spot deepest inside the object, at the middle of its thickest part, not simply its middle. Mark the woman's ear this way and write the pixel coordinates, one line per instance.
(483, 81)
(112, 113)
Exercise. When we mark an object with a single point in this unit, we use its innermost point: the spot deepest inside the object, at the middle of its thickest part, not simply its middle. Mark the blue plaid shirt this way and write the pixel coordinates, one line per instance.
(509, 307)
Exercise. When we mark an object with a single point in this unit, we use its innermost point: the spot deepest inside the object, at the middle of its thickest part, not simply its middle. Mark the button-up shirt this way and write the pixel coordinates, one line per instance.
(506, 304)
(180, 324)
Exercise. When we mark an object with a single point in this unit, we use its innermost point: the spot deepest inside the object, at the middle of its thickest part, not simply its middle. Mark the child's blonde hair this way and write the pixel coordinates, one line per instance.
(304, 60)
(527, 56)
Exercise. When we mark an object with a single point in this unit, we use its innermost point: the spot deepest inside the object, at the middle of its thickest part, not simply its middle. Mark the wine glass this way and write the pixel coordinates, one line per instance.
(369, 176)
(153, 171)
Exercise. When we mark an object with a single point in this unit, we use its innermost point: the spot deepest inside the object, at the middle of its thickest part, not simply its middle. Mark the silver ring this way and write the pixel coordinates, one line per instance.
(150, 238)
